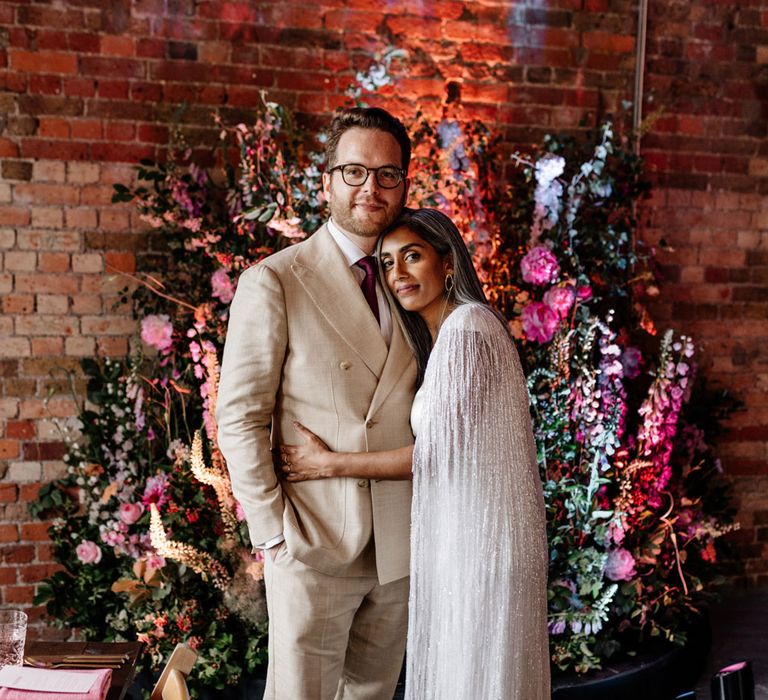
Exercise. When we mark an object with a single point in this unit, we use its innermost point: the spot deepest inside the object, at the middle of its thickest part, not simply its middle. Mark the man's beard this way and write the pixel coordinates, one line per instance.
(365, 228)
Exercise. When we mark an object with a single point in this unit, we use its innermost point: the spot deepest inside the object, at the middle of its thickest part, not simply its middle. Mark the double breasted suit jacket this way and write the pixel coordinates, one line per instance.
(302, 345)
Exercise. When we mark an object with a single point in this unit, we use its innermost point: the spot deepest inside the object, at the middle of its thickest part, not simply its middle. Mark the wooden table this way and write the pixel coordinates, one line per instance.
(122, 677)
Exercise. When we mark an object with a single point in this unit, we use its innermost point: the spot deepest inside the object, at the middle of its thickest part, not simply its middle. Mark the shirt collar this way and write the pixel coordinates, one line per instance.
(351, 251)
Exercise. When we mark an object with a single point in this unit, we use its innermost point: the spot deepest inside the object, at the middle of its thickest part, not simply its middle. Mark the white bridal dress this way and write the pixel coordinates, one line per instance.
(477, 610)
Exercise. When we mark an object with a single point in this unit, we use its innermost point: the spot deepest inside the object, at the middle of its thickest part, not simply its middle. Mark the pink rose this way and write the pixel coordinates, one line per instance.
(560, 300)
(223, 288)
(539, 266)
(88, 552)
(620, 565)
(584, 293)
(130, 512)
(157, 331)
(539, 322)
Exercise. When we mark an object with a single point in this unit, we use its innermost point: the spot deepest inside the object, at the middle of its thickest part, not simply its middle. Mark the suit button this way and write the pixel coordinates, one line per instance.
(345, 364)
(362, 483)
(369, 424)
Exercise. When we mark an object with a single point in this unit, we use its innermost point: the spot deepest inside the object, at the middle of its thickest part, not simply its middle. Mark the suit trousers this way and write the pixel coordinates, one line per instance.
(332, 637)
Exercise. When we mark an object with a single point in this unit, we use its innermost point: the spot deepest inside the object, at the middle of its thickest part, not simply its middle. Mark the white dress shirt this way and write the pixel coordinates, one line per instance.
(353, 253)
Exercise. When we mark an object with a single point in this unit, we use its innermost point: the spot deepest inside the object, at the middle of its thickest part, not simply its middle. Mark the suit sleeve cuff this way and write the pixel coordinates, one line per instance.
(270, 543)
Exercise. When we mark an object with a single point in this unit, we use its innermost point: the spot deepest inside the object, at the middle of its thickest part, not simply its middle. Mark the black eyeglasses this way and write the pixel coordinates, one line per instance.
(387, 177)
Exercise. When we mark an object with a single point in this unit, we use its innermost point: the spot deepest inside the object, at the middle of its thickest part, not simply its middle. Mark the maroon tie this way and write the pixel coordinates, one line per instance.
(368, 285)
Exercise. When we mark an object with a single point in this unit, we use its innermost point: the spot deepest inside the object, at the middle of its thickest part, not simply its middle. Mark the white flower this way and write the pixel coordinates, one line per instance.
(549, 168)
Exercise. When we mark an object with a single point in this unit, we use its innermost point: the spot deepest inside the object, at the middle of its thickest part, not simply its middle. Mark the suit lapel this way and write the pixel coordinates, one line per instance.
(322, 270)
(399, 359)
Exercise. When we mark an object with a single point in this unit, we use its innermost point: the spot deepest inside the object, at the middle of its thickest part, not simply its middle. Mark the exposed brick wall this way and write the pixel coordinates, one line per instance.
(88, 87)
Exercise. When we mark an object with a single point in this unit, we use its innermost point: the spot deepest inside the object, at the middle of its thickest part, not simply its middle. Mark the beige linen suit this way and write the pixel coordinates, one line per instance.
(303, 345)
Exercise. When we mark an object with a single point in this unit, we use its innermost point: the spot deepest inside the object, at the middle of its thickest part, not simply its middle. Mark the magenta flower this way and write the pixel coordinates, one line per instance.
(560, 300)
(155, 491)
(157, 331)
(539, 266)
(88, 552)
(539, 322)
(222, 285)
(620, 565)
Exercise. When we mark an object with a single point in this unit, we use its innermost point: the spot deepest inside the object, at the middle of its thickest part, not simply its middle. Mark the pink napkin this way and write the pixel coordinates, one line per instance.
(98, 691)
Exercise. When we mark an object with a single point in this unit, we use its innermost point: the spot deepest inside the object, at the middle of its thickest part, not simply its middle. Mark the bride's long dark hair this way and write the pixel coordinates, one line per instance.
(441, 233)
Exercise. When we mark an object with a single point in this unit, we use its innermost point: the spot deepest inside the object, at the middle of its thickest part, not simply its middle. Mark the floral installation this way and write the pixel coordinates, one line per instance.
(151, 540)
(622, 484)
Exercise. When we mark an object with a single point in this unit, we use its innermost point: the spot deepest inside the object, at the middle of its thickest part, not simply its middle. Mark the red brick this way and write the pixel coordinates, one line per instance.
(42, 61)
(44, 552)
(59, 150)
(53, 128)
(43, 451)
(37, 572)
(19, 429)
(8, 493)
(86, 129)
(18, 595)
(151, 92)
(47, 283)
(8, 533)
(150, 48)
(34, 532)
(112, 67)
(112, 347)
(47, 347)
(112, 45)
(335, 20)
(8, 149)
(120, 131)
(18, 304)
(14, 216)
(80, 87)
(9, 449)
(29, 492)
(45, 84)
(43, 193)
(17, 554)
(8, 575)
(114, 89)
(121, 153)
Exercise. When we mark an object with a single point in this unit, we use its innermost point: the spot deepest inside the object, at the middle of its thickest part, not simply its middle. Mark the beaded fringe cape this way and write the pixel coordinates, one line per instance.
(477, 609)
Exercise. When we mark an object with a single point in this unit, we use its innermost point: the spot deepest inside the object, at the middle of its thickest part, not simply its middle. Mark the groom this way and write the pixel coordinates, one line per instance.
(311, 338)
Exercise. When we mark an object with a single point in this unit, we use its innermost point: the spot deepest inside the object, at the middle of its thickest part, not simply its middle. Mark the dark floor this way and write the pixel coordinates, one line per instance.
(739, 633)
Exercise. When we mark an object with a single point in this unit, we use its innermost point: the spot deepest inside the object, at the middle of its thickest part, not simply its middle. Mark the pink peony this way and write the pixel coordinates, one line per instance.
(539, 322)
(539, 266)
(223, 288)
(130, 512)
(88, 552)
(560, 300)
(157, 331)
(620, 565)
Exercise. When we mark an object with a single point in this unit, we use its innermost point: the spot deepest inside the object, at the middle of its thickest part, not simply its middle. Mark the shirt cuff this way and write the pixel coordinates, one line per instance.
(270, 543)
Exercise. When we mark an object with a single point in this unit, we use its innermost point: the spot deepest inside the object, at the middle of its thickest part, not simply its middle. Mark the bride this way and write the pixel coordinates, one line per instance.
(477, 608)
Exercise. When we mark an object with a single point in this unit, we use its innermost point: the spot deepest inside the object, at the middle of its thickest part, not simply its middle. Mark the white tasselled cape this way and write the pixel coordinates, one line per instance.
(477, 625)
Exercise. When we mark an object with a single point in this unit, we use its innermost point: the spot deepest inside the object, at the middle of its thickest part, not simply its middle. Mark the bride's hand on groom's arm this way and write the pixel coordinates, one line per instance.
(310, 460)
